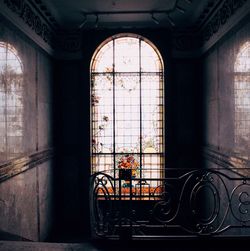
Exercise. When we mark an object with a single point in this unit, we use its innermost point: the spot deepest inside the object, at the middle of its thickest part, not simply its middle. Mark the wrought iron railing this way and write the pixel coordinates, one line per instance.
(204, 202)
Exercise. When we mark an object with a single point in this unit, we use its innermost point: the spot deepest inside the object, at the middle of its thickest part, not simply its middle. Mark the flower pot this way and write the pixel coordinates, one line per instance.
(125, 174)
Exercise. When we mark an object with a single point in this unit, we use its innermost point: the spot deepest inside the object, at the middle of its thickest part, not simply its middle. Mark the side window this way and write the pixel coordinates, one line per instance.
(242, 97)
(11, 102)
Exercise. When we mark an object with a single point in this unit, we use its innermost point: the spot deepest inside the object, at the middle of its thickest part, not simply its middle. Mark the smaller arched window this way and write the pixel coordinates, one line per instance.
(242, 97)
(11, 102)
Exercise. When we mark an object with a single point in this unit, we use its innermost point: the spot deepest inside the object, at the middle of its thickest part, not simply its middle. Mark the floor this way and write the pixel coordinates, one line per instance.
(39, 246)
(172, 245)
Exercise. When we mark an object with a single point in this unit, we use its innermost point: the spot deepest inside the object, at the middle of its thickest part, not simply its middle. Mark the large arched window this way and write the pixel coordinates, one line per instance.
(128, 108)
(11, 102)
(242, 97)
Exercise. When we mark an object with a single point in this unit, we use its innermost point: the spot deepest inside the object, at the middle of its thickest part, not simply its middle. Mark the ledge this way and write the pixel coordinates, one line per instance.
(226, 158)
(14, 167)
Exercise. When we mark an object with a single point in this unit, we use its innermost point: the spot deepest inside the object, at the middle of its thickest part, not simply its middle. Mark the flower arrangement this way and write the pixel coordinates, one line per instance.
(128, 162)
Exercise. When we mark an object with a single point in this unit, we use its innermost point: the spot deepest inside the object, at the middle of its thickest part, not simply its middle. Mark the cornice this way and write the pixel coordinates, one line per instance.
(231, 13)
(220, 17)
(45, 13)
(23, 15)
(208, 11)
(218, 21)
(34, 19)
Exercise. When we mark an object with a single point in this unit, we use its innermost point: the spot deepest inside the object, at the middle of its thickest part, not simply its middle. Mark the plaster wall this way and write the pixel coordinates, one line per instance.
(26, 199)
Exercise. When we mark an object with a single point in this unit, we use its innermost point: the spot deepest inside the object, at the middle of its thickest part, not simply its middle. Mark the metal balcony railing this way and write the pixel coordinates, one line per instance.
(204, 202)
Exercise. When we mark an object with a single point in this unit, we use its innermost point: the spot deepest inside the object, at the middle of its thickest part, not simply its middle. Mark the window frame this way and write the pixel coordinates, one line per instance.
(12, 98)
(241, 76)
(162, 113)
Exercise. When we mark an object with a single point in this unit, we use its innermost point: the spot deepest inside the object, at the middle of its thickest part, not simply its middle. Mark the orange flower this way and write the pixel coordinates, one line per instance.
(128, 162)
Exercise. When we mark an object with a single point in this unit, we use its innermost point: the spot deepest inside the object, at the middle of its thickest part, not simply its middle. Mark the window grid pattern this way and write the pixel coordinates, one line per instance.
(127, 108)
(11, 102)
(242, 98)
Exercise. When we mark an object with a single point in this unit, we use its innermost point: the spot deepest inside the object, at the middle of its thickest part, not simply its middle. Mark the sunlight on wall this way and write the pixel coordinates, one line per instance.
(11, 102)
(242, 97)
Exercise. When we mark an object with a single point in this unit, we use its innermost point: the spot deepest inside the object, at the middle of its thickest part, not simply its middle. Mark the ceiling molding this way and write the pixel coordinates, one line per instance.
(206, 13)
(225, 19)
(34, 19)
(220, 17)
(29, 21)
(44, 12)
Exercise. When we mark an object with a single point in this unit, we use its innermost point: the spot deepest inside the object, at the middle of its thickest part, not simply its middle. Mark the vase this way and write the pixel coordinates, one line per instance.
(125, 174)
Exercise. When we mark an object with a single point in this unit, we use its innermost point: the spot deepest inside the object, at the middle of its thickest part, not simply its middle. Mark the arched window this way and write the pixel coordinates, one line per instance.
(128, 108)
(242, 97)
(11, 102)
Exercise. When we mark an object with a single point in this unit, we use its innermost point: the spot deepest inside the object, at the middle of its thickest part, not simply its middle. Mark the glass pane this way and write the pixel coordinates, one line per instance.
(242, 111)
(242, 63)
(242, 98)
(9, 61)
(152, 168)
(103, 62)
(152, 113)
(127, 113)
(102, 113)
(150, 61)
(103, 163)
(127, 54)
(11, 101)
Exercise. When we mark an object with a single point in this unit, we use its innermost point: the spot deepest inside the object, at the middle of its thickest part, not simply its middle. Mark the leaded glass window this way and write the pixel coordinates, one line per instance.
(11, 102)
(242, 97)
(128, 108)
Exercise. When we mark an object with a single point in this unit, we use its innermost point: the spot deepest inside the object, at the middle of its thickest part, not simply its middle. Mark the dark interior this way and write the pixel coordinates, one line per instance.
(45, 188)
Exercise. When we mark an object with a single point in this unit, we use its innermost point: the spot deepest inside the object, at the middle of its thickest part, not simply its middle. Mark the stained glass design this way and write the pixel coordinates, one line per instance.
(127, 107)
(11, 102)
(242, 98)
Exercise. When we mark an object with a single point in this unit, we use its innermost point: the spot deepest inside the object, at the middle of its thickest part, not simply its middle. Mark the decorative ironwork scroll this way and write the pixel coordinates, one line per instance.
(203, 202)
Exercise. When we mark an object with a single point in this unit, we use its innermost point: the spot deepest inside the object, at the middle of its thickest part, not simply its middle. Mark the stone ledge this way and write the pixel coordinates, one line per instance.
(226, 158)
(13, 167)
